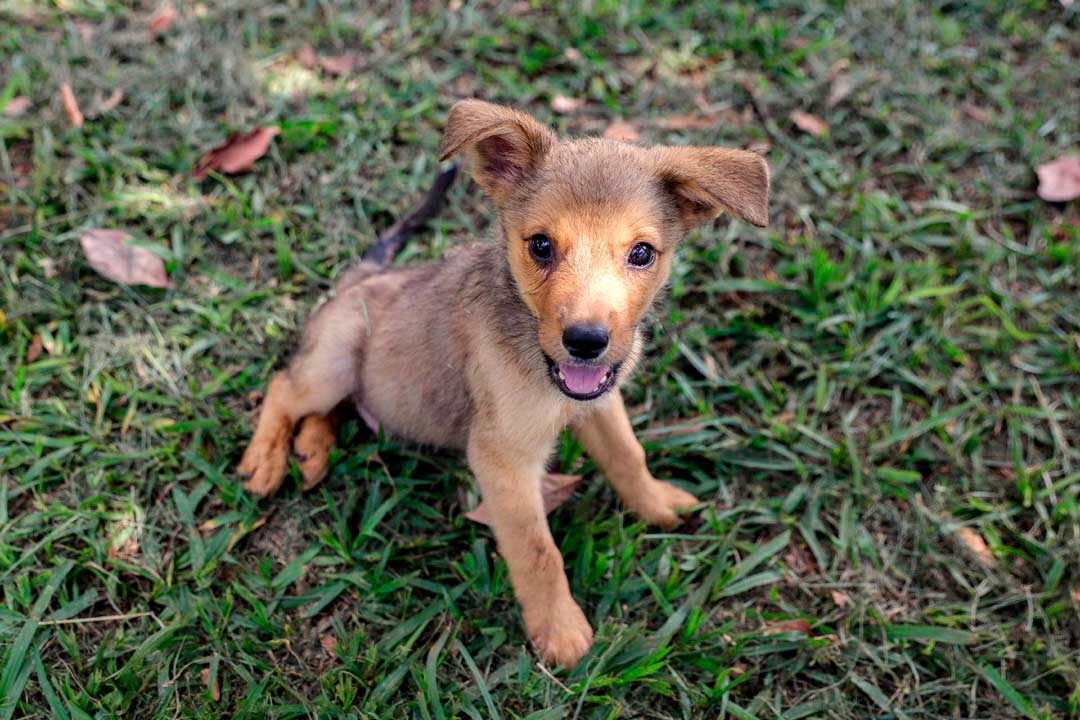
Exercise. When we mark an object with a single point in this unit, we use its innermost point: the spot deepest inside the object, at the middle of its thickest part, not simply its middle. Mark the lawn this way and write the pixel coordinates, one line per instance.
(878, 395)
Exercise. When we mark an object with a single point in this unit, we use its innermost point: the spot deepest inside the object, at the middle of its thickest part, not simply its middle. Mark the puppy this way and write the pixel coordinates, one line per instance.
(498, 347)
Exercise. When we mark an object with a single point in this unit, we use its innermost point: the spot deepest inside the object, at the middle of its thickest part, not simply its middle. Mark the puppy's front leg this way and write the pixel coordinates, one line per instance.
(608, 438)
(510, 486)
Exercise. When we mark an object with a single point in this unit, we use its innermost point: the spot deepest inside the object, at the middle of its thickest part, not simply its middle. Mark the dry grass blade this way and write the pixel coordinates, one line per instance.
(70, 105)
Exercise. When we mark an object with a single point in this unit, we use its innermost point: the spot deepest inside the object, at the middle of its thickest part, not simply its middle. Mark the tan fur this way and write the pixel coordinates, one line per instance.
(453, 353)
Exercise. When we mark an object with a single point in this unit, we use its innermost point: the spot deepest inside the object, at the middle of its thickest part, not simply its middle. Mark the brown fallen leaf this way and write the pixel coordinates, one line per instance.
(328, 642)
(565, 105)
(48, 266)
(973, 542)
(810, 124)
(555, 488)
(622, 131)
(110, 103)
(839, 598)
(85, 30)
(109, 252)
(799, 625)
(306, 57)
(762, 147)
(839, 89)
(33, 352)
(17, 106)
(1076, 594)
(236, 154)
(215, 691)
(162, 19)
(801, 561)
(836, 68)
(688, 122)
(71, 105)
(338, 64)
(975, 112)
(1059, 180)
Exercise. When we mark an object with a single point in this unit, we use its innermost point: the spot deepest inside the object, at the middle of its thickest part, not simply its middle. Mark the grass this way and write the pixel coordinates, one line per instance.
(884, 380)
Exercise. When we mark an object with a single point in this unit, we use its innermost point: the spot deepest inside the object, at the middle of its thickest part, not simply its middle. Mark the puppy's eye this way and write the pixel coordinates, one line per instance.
(540, 248)
(641, 255)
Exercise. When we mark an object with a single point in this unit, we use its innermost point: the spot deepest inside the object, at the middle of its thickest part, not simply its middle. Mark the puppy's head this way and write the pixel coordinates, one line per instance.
(591, 226)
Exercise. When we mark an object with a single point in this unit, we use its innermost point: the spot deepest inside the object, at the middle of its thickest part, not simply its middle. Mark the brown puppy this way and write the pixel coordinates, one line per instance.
(498, 347)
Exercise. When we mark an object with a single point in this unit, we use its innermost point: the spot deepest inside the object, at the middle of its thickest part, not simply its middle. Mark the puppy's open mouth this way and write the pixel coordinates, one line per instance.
(581, 381)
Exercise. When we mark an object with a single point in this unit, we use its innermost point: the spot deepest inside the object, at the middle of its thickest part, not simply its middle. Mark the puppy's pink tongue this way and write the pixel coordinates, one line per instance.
(582, 379)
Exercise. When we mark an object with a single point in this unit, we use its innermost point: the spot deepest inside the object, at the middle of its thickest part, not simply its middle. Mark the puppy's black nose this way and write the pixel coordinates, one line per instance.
(585, 342)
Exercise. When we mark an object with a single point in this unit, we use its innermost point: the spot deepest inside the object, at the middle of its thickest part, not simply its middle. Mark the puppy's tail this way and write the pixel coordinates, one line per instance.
(382, 252)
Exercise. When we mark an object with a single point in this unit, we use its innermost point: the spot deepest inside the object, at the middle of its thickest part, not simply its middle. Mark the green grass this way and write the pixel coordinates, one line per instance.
(897, 356)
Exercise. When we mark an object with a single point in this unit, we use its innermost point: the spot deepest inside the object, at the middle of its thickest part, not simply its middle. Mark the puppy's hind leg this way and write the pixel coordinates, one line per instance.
(318, 377)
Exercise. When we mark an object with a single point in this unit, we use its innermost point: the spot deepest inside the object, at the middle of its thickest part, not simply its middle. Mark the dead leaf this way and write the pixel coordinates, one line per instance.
(236, 154)
(125, 532)
(17, 106)
(48, 266)
(791, 626)
(801, 561)
(839, 89)
(1076, 594)
(839, 598)
(622, 131)
(109, 252)
(328, 642)
(215, 691)
(810, 124)
(71, 105)
(306, 57)
(85, 30)
(1059, 180)
(162, 19)
(34, 351)
(836, 68)
(975, 112)
(555, 488)
(688, 122)
(761, 147)
(974, 544)
(338, 64)
(109, 104)
(565, 105)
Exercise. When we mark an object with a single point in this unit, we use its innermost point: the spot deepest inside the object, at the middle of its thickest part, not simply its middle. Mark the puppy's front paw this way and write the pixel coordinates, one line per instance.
(560, 633)
(263, 465)
(312, 446)
(660, 504)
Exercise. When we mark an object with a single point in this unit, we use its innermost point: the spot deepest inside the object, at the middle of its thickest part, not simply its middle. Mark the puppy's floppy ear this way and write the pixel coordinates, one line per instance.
(706, 181)
(504, 145)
